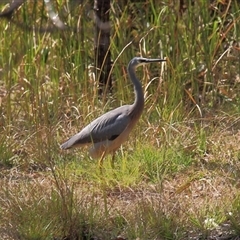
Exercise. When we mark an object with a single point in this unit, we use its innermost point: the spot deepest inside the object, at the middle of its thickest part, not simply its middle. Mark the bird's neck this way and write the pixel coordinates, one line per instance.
(138, 104)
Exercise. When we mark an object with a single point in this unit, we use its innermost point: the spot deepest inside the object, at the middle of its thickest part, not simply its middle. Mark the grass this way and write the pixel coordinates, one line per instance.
(178, 175)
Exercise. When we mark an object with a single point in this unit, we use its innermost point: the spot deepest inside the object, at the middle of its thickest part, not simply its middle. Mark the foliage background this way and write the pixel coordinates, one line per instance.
(181, 160)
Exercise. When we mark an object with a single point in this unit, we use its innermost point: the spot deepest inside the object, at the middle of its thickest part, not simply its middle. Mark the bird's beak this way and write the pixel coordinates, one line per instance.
(155, 60)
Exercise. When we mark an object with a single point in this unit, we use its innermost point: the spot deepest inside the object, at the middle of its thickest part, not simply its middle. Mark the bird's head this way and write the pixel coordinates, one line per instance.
(138, 61)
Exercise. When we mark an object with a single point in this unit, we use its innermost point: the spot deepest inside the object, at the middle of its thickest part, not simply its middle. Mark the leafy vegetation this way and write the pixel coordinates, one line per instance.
(178, 175)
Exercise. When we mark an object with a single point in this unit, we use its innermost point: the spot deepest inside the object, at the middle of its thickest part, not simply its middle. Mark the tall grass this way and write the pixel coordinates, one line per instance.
(181, 159)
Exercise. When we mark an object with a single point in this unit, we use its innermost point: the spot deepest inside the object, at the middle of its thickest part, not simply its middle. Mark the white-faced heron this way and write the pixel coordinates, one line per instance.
(109, 131)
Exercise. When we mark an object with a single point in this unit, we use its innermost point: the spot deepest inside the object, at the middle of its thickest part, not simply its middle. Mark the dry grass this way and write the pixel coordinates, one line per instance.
(198, 197)
(178, 175)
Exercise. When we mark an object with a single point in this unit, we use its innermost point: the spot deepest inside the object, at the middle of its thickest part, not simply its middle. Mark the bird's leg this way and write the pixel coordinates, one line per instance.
(100, 163)
(112, 160)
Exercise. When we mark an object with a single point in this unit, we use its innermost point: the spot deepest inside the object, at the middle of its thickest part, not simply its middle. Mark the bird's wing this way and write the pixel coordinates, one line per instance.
(108, 126)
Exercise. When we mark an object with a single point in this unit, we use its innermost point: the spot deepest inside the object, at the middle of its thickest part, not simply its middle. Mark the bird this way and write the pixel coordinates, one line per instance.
(106, 133)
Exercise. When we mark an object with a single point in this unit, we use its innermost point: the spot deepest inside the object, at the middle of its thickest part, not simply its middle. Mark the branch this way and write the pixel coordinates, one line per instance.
(14, 5)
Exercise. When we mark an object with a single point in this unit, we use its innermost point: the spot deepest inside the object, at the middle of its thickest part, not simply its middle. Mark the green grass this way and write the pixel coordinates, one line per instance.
(178, 175)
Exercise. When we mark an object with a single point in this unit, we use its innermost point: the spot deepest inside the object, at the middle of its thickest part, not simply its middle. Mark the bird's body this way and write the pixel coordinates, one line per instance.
(109, 131)
(102, 132)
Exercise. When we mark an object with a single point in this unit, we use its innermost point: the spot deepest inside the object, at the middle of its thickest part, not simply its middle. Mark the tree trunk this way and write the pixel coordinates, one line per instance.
(102, 45)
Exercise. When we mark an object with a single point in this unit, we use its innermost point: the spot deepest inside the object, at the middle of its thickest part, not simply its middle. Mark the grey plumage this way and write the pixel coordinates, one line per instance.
(109, 131)
(106, 127)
